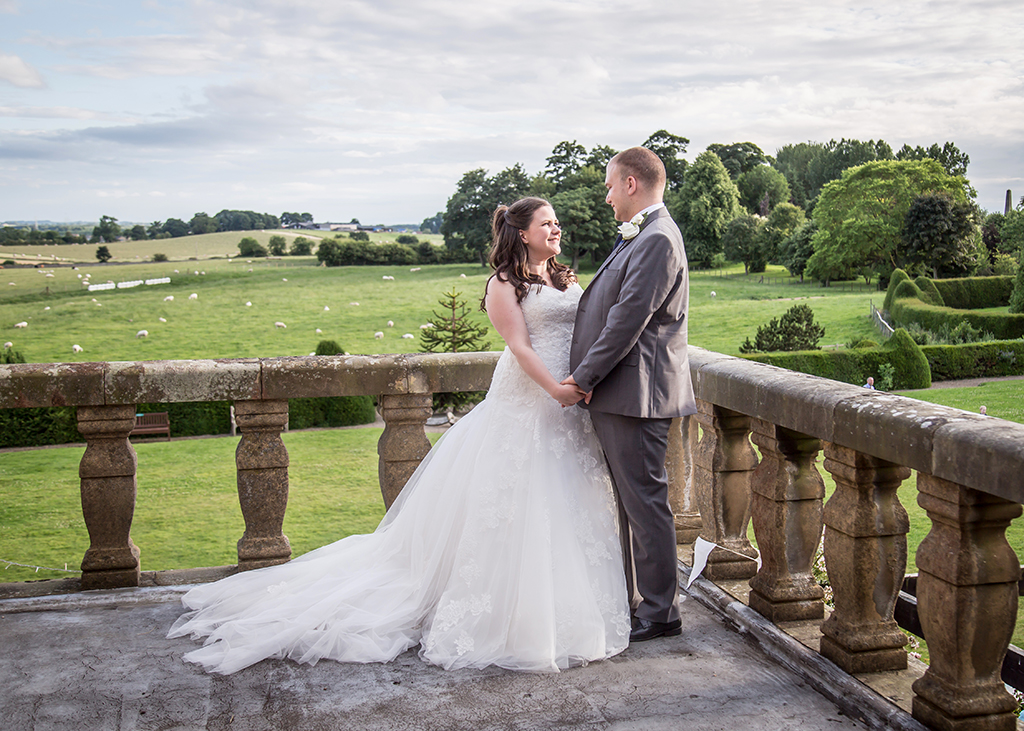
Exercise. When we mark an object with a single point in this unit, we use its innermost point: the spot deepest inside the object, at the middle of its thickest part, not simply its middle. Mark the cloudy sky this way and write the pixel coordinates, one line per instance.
(150, 109)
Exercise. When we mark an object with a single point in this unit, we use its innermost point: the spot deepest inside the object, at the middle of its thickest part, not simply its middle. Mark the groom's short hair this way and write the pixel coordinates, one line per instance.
(645, 166)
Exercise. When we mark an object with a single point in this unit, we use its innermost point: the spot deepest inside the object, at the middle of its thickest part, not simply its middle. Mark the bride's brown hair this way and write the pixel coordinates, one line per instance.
(509, 254)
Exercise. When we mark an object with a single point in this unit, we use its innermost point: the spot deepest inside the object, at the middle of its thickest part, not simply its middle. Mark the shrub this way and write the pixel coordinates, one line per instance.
(36, 427)
(276, 245)
(975, 293)
(301, 246)
(1004, 265)
(975, 360)
(359, 236)
(795, 330)
(929, 292)
(159, 257)
(895, 279)
(250, 247)
(330, 411)
(1017, 296)
(407, 239)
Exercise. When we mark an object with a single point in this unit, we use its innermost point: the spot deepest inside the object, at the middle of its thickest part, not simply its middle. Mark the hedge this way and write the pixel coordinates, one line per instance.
(1002, 326)
(854, 366)
(975, 293)
(975, 360)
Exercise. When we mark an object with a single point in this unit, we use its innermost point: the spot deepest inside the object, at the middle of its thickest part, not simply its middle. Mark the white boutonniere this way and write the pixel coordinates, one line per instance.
(631, 228)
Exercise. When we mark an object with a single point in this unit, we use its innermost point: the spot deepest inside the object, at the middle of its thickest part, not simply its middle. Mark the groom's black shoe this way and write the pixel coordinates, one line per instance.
(645, 629)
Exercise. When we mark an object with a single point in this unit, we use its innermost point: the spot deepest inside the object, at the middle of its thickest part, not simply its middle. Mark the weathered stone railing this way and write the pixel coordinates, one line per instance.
(970, 482)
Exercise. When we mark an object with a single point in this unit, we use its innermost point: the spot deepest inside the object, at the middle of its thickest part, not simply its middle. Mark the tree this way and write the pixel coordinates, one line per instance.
(739, 157)
(301, 246)
(103, 254)
(740, 242)
(1011, 232)
(155, 229)
(291, 219)
(107, 230)
(860, 217)
(784, 219)
(202, 224)
(137, 232)
(795, 330)
(938, 234)
(1017, 295)
(276, 245)
(566, 159)
(760, 183)
(837, 157)
(797, 248)
(704, 205)
(359, 236)
(250, 247)
(175, 227)
(467, 218)
(599, 157)
(453, 331)
(954, 161)
(432, 225)
(670, 148)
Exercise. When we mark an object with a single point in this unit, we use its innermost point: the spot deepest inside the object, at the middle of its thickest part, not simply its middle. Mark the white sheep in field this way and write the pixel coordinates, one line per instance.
(427, 326)
(79, 276)
(407, 336)
(169, 298)
(391, 323)
(319, 331)
(162, 319)
(45, 309)
(49, 275)
(284, 280)
(193, 296)
(326, 308)
(8, 345)
(387, 278)
(280, 325)
(76, 348)
(142, 334)
(462, 276)
(415, 269)
(354, 304)
(713, 293)
(248, 304)
(94, 299)
(378, 335)
(21, 324)
(12, 284)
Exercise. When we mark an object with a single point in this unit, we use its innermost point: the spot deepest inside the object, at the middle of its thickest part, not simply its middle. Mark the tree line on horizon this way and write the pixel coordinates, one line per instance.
(833, 211)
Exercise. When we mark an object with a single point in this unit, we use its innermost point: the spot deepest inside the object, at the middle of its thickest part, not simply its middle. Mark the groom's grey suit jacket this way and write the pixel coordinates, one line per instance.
(629, 341)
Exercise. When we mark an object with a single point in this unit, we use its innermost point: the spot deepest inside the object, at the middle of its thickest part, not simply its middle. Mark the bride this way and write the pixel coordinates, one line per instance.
(502, 548)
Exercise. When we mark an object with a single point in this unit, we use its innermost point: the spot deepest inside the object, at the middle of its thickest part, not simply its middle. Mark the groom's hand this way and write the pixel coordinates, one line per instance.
(585, 396)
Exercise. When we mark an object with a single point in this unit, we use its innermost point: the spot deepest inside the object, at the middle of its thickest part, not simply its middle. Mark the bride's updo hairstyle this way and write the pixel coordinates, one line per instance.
(509, 255)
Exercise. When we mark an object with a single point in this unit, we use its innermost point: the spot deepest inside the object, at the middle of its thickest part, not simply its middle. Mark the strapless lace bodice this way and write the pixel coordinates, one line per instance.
(550, 316)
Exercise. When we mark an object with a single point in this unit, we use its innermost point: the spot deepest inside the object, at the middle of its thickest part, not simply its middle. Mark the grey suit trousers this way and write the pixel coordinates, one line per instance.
(635, 450)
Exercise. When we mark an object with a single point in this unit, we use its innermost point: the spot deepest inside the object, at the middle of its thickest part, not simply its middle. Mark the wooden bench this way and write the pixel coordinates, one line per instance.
(156, 423)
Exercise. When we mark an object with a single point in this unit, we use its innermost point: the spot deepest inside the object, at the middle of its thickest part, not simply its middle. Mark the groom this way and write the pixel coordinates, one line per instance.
(628, 355)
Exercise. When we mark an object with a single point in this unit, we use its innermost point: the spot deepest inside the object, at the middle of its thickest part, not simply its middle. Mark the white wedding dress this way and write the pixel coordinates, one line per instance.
(502, 549)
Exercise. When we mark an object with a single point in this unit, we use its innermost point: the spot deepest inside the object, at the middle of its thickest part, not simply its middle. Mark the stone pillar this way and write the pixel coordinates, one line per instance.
(262, 463)
(787, 517)
(967, 602)
(109, 487)
(866, 558)
(722, 468)
(682, 440)
(404, 443)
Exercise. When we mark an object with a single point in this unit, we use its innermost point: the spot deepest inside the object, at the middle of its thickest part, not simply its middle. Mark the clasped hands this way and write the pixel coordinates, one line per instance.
(568, 393)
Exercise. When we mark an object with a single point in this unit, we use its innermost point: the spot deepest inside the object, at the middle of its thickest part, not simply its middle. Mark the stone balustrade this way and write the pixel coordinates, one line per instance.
(969, 481)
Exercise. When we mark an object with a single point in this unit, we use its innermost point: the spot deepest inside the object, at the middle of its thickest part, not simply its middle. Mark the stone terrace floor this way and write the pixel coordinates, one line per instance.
(100, 660)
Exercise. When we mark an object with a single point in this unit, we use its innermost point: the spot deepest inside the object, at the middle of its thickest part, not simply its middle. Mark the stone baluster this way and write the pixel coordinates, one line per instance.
(404, 443)
(723, 465)
(682, 441)
(262, 463)
(109, 487)
(787, 518)
(967, 602)
(866, 558)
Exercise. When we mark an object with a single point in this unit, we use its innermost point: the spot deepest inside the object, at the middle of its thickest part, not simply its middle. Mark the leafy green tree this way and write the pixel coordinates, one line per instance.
(359, 236)
(107, 230)
(175, 227)
(990, 233)
(233, 220)
(794, 162)
(202, 224)
(566, 159)
(453, 331)
(137, 232)
(407, 239)
(301, 246)
(277, 245)
(784, 219)
(703, 207)
(670, 148)
(837, 157)
(250, 247)
(761, 189)
(797, 248)
(291, 219)
(795, 330)
(1017, 296)
(155, 229)
(860, 217)
(954, 161)
(103, 254)
(467, 217)
(1011, 233)
(739, 157)
(938, 233)
(432, 225)
(741, 242)
(599, 157)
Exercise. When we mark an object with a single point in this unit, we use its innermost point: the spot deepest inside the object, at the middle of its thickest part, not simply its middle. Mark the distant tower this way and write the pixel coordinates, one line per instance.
(1009, 203)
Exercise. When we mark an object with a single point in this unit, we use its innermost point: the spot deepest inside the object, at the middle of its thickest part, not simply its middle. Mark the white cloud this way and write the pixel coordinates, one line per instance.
(16, 71)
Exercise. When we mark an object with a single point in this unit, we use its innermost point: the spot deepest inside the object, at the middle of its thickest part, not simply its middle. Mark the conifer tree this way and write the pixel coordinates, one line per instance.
(453, 331)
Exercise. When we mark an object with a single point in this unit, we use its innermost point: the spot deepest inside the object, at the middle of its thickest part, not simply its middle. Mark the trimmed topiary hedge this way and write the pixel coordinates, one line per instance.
(975, 360)
(38, 427)
(898, 276)
(974, 293)
(910, 366)
(306, 413)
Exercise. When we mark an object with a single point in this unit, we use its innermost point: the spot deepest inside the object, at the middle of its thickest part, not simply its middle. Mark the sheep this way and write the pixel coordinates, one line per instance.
(21, 324)
(319, 331)
(76, 348)
(280, 325)
(79, 276)
(427, 326)
(248, 304)
(462, 276)
(415, 269)
(378, 335)
(163, 319)
(408, 336)
(713, 293)
(45, 309)
(12, 284)
(193, 296)
(8, 345)
(49, 275)
(326, 308)
(94, 299)
(169, 298)
(354, 304)
(284, 280)
(176, 271)
(142, 334)
(391, 323)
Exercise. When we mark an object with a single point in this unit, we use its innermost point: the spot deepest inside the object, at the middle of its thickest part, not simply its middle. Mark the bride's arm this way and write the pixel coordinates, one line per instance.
(507, 317)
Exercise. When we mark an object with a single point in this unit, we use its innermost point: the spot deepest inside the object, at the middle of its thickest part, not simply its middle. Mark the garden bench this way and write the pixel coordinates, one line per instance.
(155, 423)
